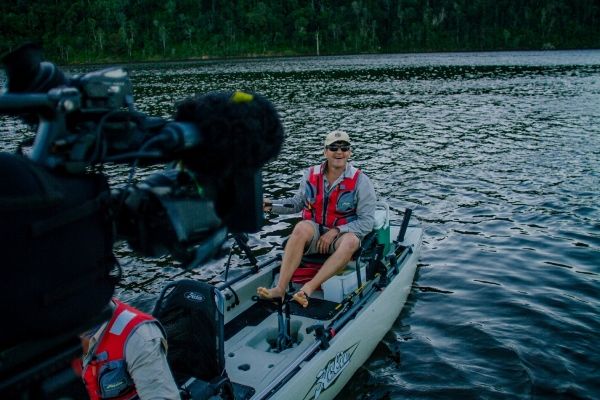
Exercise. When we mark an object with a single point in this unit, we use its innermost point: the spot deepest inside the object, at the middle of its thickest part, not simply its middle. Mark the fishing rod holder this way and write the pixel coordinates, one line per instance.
(404, 226)
(320, 334)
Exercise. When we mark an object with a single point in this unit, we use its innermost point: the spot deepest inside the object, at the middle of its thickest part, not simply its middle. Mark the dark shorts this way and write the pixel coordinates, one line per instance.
(318, 231)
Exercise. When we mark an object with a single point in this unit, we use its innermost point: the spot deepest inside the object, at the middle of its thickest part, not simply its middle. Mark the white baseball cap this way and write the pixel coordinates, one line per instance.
(337, 136)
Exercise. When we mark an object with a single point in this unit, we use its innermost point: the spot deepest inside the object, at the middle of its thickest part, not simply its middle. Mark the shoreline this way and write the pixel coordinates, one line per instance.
(280, 55)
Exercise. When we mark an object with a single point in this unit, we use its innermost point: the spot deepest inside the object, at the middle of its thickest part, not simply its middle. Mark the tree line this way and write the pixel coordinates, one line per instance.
(136, 30)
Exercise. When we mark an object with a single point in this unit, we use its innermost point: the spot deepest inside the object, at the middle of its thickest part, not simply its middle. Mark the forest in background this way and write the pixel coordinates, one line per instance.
(84, 31)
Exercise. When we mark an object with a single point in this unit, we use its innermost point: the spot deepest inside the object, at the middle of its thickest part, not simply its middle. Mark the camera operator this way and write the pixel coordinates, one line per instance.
(60, 218)
(126, 356)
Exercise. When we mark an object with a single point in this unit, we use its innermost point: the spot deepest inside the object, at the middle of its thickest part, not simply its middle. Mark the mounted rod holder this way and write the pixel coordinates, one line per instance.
(404, 226)
(242, 241)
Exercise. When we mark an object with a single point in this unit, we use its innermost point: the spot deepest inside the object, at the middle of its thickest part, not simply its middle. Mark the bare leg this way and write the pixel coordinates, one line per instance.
(294, 249)
(347, 244)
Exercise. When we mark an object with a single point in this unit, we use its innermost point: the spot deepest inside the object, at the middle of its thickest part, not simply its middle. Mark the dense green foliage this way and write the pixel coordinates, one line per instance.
(108, 30)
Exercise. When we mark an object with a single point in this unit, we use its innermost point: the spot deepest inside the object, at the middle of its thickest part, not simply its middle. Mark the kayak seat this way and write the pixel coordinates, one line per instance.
(191, 313)
(311, 263)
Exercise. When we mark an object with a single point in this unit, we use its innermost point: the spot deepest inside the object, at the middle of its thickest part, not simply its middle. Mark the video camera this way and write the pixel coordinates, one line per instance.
(60, 218)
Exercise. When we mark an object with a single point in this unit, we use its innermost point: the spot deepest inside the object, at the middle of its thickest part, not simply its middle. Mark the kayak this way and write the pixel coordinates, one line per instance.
(276, 349)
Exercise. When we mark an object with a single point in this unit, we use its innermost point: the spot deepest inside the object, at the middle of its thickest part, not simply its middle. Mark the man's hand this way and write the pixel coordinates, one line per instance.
(267, 204)
(326, 239)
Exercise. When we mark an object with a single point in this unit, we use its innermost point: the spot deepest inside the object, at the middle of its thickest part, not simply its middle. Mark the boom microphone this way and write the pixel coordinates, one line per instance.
(240, 130)
(240, 133)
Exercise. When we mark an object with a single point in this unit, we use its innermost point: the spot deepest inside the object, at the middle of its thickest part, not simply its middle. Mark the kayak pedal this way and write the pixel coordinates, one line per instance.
(284, 337)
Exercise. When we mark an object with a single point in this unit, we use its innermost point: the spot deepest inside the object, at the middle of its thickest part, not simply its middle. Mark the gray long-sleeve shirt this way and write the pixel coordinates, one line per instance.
(365, 201)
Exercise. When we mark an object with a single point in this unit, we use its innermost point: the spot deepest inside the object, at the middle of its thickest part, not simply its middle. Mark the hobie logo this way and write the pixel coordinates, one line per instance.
(334, 368)
(194, 296)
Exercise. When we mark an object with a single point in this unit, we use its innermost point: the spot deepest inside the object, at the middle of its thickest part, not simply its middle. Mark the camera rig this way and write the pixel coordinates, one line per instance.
(212, 150)
(219, 141)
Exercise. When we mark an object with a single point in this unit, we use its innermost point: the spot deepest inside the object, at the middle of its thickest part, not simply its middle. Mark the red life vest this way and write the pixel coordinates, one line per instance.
(333, 209)
(106, 375)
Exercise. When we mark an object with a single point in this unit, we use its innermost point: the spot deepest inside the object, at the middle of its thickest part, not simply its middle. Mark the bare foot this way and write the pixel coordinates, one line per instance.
(268, 294)
(301, 298)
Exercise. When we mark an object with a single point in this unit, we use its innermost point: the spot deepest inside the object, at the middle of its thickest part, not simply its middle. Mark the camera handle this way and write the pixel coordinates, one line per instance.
(163, 137)
(52, 109)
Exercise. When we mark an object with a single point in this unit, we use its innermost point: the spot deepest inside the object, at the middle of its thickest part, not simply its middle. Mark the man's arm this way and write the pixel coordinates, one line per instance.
(146, 358)
(294, 204)
(365, 210)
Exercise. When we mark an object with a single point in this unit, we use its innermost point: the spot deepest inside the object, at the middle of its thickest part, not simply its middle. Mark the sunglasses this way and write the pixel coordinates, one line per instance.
(333, 148)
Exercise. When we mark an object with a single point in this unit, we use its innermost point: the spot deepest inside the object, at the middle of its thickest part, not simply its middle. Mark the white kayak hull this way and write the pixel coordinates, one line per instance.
(308, 371)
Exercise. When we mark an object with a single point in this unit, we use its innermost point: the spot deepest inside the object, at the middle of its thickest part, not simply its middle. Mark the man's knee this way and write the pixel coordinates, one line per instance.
(349, 243)
(303, 230)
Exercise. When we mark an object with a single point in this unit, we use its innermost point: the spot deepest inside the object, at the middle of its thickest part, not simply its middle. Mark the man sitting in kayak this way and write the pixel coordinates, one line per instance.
(338, 205)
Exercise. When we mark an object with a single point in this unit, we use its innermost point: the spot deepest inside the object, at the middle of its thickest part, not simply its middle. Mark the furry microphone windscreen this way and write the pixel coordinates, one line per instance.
(240, 130)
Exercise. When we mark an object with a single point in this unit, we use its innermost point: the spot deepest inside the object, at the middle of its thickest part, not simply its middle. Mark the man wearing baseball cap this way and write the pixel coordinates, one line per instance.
(337, 201)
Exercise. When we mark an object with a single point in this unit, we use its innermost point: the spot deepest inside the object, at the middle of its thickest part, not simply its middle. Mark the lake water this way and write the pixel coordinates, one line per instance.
(498, 155)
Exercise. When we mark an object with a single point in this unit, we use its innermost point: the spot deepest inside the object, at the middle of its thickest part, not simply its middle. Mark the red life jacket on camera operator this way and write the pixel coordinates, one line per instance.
(106, 376)
(333, 209)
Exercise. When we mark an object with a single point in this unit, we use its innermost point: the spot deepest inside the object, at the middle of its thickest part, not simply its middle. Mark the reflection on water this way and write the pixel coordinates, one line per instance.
(499, 156)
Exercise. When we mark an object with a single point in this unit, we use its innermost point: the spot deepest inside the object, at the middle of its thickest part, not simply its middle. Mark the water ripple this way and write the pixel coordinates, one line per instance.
(499, 156)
